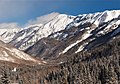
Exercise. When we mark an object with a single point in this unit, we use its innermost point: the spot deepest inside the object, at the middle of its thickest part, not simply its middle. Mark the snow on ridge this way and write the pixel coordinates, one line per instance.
(70, 46)
(81, 47)
(96, 18)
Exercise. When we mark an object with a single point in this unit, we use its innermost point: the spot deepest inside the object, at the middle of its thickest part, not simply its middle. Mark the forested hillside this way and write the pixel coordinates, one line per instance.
(100, 65)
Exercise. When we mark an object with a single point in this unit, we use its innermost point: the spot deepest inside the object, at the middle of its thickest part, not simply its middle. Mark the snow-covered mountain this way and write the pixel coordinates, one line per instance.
(62, 34)
(27, 36)
(59, 46)
(83, 33)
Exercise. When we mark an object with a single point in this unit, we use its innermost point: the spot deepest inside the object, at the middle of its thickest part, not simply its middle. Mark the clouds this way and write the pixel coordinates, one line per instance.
(43, 19)
(9, 25)
(23, 10)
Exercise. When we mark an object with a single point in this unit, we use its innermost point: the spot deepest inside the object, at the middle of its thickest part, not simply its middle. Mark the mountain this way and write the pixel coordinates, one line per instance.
(65, 49)
(100, 65)
(84, 33)
(29, 35)
(63, 34)
(13, 55)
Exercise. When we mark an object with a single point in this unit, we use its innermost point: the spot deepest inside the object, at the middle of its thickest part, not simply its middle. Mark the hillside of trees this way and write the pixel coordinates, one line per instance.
(100, 65)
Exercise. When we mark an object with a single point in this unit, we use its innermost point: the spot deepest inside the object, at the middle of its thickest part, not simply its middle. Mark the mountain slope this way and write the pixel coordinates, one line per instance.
(10, 54)
(101, 65)
(7, 34)
(83, 33)
(27, 36)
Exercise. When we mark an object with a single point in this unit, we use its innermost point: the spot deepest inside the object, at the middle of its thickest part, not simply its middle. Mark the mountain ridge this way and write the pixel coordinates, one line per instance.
(71, 23)
(67, 34)
(75, 38)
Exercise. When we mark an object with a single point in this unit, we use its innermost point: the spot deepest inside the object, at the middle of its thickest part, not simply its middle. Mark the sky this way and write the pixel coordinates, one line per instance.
(20, 12)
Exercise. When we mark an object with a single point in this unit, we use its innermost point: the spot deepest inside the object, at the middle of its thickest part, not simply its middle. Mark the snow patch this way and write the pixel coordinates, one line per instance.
(81, 47)
(85, 36)
(14, 70)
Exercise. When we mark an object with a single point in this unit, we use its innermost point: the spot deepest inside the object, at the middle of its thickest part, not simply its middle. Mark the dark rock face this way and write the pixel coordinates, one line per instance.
(100, 65)
(45, 48)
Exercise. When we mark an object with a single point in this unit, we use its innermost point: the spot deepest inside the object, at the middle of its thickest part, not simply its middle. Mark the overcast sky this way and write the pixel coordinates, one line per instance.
(21, 11)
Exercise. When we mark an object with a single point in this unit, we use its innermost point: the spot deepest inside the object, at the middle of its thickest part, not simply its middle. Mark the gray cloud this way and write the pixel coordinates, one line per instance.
(9, 25)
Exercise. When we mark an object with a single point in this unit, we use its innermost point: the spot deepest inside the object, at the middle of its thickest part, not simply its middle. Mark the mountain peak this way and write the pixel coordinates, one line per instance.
(44, 19)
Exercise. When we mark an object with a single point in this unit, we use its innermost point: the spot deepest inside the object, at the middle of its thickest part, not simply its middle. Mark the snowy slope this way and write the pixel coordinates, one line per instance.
(7, 34)
(31, 34)
(10, 54)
